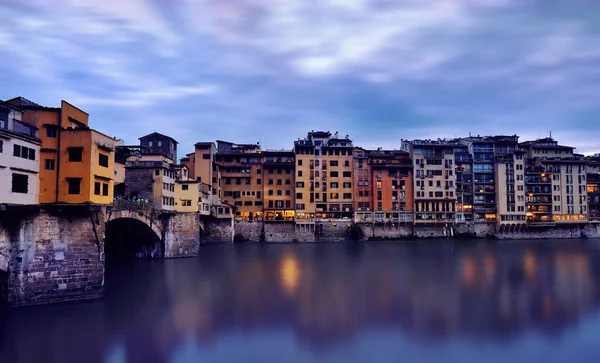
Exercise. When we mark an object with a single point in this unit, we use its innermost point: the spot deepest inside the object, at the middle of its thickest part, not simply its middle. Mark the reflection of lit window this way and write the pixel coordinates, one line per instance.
(290, 273)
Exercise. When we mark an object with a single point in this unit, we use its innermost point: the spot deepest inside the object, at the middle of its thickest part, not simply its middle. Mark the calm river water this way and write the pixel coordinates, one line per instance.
(384, 302)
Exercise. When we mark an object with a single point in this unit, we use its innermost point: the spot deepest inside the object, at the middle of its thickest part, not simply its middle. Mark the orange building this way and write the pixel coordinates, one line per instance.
(391, 184)
(76, 162)
(241, 178)
(363, 202)
(279, 185)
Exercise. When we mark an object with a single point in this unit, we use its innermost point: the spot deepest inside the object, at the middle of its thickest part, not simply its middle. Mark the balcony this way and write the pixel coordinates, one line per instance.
(538, 180)
(19, 128)
(538, 190)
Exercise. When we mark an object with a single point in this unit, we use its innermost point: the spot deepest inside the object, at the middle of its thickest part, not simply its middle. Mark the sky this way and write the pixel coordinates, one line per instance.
(269, 71)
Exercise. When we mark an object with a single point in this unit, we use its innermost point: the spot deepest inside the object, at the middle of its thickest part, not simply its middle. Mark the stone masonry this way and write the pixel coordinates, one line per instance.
(55, 256)
(182, 235)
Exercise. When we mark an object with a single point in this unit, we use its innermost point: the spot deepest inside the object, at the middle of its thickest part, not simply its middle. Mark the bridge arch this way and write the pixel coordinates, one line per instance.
(132, 234)
(142, 216)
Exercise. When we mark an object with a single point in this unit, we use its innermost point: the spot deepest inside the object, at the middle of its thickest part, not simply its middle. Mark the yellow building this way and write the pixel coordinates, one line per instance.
(510, 189)
(186, 196)
(76, 162)
(324, 176)
(305, 175)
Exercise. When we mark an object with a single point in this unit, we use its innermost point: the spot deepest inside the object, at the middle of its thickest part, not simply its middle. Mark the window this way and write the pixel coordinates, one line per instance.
(333, 174)
(333, 163)
(299, 196)
(49, 164)
(300, 171)
(288, 182)
(150, 144)
(157, 172)
(206, 156)
(300, 164)
(103, 160)
(1, 146)
(185, 187)
(299, 184)
(75, 155)
(278, 181)
(97, 188)
(333, 185)
(23, 152)
(347, 163)
(20, 183)
(347, 195)
(270, 192)
(288, 192)
(270, 181)
(51, 131)
(159, 143)
(279, 192)
(347, 174)
(74, 185)
(347, 185)
(258, 181)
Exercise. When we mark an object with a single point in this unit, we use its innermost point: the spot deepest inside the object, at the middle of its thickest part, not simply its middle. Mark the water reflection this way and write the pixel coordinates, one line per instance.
(316, 301)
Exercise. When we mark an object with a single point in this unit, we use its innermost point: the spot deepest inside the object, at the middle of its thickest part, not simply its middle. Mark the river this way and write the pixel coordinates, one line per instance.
(436, 301)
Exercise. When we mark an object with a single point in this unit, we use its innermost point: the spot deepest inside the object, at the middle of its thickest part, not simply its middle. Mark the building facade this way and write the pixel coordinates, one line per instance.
(241, 178)
(392, 186)
(156, 143)
(279, 185)
(76, 162)
(555, 183)
(434, 180)
(19, 158)
(151, 178)
(593, 188)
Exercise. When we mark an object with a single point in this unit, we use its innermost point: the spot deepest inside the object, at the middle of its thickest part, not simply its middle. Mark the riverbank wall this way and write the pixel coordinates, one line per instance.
(345, 230)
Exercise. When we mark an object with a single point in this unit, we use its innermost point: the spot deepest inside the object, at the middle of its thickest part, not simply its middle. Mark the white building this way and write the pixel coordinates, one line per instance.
(19, 159)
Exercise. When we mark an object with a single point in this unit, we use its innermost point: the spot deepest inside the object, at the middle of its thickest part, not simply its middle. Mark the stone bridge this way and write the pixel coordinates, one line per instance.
(57, 253)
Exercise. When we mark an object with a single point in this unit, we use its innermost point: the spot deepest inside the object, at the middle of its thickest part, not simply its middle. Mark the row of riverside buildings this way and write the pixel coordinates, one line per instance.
(490, 179)
(49, 155)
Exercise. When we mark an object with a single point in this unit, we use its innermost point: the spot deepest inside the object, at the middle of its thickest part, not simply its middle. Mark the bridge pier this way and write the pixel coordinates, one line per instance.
(53, 255)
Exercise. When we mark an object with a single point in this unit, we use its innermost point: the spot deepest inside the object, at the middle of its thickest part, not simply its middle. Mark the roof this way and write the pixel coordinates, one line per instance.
(319, 133)
(204, 143)
(25, 104)
(8, 105)
(158, 134)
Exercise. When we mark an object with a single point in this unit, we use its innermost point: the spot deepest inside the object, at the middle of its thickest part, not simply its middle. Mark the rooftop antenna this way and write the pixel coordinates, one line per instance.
(550, 134)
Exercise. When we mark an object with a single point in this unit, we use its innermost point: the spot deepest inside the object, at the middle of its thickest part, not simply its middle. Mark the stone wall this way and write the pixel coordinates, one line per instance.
(54, 256)
(385, 230)
(591, 231)
(479, 230)
(430, 231)
(182, 235)
(216, 230)
(248, 230)
(556, 232)
(304, 232)
(332, 232)
(280, 232)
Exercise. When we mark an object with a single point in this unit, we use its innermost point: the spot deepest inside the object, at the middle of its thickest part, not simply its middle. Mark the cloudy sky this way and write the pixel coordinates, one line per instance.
(271, 70)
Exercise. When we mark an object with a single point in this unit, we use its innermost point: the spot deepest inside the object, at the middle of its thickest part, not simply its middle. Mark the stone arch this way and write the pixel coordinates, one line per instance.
(140, 216)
